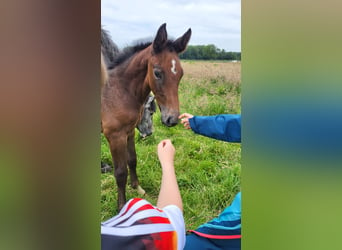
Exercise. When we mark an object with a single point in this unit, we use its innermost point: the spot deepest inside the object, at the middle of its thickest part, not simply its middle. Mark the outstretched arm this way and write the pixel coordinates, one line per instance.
(222, 127)
(169, 192)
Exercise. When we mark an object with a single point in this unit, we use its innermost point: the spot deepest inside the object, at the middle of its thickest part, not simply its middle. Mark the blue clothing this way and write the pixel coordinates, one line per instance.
(229, 219)
(223, 232)
(221, 127)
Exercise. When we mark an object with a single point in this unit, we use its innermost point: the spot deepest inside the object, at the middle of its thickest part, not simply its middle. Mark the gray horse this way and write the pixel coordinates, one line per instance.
(145, 125)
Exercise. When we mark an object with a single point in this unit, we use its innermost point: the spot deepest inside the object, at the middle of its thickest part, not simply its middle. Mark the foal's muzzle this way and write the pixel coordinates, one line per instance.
(169, 117)
(170, 120)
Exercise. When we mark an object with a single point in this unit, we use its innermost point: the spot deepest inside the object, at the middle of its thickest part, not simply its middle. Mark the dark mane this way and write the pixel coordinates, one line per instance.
(129, 51)
(108, 47)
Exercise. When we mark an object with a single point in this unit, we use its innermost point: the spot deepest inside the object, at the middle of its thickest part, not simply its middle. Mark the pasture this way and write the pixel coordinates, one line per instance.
(208, 171)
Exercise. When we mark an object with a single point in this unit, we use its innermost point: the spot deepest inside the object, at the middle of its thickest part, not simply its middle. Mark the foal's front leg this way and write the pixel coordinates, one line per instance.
(118, 147)
(132, 163)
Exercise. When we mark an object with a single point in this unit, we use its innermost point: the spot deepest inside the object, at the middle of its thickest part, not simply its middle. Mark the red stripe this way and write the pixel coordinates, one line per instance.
(145, 207)
(135, 200)
(220, 237)
(158, 220)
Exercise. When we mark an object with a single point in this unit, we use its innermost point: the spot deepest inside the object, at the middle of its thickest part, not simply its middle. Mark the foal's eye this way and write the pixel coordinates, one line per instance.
(157, 74)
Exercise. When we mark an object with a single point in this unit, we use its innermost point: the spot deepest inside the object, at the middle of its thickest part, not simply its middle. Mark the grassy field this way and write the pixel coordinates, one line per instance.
(208, 171)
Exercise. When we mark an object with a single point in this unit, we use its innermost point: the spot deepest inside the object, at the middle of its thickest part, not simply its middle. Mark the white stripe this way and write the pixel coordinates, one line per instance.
(118, 215)
(142, 215)
(137, 230)
(124, 208)
(173, 68)
(119, 218)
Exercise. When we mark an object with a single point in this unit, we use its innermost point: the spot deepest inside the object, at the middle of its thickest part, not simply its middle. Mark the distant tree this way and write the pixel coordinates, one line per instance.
(209, 52)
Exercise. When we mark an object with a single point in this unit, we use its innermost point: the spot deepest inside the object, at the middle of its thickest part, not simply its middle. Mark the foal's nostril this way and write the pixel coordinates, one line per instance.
(171, 122)
(168, 121)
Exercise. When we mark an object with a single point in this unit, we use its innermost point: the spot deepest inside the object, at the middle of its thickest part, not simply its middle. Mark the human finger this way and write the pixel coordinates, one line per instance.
(185, 115)
(184, 120)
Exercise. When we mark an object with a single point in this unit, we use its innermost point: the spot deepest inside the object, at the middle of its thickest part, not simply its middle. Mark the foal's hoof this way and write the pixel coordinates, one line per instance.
(140, 190)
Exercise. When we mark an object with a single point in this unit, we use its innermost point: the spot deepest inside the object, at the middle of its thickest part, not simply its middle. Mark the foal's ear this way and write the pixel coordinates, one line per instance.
(180, 44)
(161, 39)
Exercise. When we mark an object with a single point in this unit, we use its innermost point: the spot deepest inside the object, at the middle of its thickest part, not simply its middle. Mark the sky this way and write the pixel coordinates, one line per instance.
(215, 22)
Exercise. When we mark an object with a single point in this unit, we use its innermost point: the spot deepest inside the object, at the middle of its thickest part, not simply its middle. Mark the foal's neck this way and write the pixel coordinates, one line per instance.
(137, 72)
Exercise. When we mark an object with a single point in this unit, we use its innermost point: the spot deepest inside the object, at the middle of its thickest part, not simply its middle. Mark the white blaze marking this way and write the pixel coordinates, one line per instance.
(173, 68)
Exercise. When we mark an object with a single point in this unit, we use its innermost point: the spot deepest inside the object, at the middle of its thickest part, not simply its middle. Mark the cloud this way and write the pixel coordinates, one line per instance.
(212, 22)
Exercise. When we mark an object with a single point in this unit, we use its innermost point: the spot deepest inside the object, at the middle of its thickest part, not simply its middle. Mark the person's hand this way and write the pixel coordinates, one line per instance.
(166, 152)
(185, 120)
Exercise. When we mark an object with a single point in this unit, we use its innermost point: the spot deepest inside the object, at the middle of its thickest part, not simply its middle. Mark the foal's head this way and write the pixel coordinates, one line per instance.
(165, 72)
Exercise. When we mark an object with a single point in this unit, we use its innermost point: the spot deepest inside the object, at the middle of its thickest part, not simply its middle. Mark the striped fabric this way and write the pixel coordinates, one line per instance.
(139, 225)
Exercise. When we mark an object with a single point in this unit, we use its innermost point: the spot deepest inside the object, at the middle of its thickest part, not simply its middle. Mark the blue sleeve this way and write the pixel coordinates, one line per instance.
(221, 127)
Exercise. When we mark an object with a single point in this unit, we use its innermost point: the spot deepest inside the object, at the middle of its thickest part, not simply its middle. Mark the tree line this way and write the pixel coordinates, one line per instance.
(209, 52)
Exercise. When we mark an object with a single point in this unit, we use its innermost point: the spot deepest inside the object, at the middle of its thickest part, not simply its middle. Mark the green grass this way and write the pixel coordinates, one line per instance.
(208, 170)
